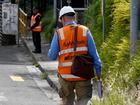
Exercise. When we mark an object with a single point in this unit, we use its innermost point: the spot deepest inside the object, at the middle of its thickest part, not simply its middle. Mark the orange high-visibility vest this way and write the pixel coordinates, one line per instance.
(66, 54)
(33, 21)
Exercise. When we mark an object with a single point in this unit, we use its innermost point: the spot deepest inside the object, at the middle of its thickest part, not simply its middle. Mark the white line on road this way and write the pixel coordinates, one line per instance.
(2, 97)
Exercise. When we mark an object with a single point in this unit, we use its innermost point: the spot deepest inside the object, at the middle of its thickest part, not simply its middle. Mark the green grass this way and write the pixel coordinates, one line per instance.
(48, 22)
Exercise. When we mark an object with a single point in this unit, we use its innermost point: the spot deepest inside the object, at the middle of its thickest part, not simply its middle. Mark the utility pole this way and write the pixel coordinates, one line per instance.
(103, 20)
(134, 26)
(69, 1)
(138, 17)
(54, 8)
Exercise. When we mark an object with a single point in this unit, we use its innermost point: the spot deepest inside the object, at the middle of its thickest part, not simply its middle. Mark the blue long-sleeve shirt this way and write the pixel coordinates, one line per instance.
(54, 50)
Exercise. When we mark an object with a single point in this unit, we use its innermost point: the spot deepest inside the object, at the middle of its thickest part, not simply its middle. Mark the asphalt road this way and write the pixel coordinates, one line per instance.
(20, 82)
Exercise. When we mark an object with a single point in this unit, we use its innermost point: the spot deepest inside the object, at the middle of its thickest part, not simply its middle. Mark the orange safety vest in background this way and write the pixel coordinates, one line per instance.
(66, 54)
(33, 21)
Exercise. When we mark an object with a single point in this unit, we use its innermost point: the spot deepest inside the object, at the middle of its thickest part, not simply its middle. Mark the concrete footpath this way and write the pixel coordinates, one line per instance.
(20, 82)
(43, 62)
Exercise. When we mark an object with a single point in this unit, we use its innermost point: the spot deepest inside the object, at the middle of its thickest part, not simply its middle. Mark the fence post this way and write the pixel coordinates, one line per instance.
(133, 26)
(22, 23)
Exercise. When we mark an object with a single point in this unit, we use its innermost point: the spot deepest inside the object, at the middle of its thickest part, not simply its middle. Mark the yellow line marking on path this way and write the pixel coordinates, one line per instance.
(17, 78)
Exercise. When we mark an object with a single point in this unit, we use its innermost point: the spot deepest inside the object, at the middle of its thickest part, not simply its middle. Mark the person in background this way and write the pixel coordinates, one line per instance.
(36, 28)
(62, 47)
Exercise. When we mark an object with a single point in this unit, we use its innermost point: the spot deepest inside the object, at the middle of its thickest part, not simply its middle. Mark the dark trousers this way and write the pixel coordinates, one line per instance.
(83, 91)
(37, 41)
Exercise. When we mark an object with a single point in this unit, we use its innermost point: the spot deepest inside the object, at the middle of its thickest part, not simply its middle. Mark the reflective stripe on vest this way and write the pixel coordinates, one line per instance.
(62, 32)
(33, 21)
(69, 76)
(66, 64)
(72, 50)
(84, 31)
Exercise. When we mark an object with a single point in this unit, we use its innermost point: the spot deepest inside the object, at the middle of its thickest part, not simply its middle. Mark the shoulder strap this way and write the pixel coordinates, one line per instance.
(75, 37)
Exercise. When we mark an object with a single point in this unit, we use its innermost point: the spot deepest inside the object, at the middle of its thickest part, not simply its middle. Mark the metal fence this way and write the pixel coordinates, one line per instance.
(1, 22)
(22, 23)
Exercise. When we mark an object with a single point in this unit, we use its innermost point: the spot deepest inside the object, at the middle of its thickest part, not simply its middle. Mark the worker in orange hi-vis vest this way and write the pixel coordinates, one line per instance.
(62, 47)
(36, 28)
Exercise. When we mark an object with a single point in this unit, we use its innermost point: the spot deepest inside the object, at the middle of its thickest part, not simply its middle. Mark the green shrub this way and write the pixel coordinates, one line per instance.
(93, 19)
(48, 23)
(119, 73)
(116, 48)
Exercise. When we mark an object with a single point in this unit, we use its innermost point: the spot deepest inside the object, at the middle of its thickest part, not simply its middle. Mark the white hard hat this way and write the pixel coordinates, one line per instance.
(65, 10)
